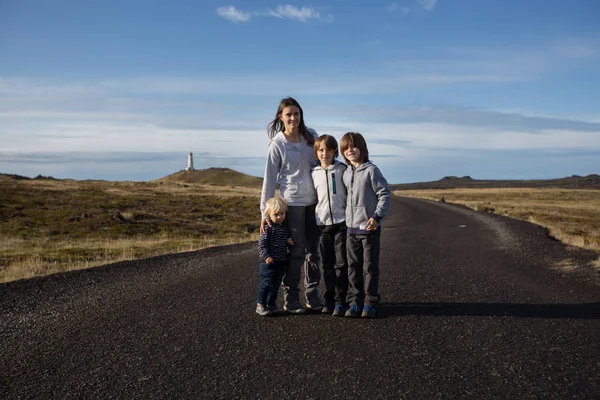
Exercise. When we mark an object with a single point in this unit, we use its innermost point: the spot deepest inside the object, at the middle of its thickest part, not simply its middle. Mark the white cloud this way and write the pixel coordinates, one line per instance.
(302, 14)
(576, 49)
(233, 14)
(394, 7)
(427, 4)
(94, 142)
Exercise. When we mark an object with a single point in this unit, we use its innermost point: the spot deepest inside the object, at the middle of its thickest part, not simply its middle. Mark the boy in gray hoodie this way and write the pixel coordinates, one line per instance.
(367, 204)
(330, 216)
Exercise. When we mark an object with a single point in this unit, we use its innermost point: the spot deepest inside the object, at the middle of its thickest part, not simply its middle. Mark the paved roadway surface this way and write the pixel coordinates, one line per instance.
(475, 312)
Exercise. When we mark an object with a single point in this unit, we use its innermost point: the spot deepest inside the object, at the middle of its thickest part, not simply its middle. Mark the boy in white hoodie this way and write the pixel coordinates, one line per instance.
(330, 216)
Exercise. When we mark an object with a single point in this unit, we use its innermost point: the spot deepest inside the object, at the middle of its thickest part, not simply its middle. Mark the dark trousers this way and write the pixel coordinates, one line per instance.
(270, 280)
(363, 268)
(332, 251)
(304, 257)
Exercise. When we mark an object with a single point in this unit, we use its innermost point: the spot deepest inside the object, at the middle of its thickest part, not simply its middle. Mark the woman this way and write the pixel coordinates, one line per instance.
(289, 161)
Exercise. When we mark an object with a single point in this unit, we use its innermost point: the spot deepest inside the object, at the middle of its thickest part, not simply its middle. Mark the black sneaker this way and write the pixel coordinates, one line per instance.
(353, 312)
(328, 309)
(340, 310)
(314, 307)
(292, 309)
(369, 312)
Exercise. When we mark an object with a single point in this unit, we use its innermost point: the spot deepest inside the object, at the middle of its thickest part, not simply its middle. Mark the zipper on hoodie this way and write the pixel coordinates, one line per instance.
(333, 182)
(351, 196)
(329, 194)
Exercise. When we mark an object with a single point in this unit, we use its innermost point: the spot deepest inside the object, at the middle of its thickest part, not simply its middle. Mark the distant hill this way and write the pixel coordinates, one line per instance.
(214, 176)
(22, 178)
(452, 182)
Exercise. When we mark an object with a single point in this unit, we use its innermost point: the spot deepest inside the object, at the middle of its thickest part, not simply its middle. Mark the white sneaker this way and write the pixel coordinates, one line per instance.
(263, 311)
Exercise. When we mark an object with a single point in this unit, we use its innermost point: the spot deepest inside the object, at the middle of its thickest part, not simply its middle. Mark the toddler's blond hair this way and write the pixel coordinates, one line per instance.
(275, 204)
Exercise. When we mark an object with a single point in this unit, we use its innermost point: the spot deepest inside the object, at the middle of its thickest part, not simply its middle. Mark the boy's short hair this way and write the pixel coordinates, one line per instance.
(275, 204)
(354, 139)
(330, 144)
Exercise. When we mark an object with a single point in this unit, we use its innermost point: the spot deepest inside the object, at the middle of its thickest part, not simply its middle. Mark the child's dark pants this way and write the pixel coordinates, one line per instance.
(270, 280)
(363, 268)
(332, 251)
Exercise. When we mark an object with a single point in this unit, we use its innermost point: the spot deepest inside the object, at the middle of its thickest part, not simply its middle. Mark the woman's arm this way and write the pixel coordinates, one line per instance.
(272, 170)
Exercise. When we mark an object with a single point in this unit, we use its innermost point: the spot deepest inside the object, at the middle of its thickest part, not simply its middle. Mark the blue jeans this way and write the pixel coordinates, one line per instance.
(270, 280)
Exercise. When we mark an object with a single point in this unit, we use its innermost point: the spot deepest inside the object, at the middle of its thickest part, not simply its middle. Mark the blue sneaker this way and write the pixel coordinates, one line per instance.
(339, 310)
(353, 311)
(369, 312)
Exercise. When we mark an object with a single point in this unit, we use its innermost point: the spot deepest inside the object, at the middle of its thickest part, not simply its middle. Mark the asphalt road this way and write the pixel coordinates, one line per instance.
(473, 306)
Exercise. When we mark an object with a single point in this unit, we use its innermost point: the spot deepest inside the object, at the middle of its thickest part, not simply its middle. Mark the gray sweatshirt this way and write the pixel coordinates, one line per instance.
(368, 197)
(289, 165)
(331, 193)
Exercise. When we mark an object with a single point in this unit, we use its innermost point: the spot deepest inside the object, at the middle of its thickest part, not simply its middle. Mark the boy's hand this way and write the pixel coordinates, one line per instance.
(269, 260)
(264, 222)
(372, 225)
(290, 242)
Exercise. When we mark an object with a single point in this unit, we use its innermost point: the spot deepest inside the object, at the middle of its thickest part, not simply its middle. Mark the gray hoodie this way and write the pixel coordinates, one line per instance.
(368, 197)
(289, 165)
(331, 193)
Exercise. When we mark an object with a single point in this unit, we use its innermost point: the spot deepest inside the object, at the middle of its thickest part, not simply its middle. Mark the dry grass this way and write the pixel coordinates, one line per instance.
(49, 226)
(48, 257)
(571, 216)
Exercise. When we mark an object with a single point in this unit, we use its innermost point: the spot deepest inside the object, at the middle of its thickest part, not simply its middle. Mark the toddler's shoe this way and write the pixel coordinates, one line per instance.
(369, 312)
(263, 311)
(340, 310)
(353, 312)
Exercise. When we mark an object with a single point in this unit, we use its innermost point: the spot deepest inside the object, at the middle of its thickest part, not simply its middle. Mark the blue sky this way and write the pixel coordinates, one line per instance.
(123, 90)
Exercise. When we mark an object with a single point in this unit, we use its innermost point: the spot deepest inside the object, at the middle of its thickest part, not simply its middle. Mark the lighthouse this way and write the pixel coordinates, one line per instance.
(190, 166)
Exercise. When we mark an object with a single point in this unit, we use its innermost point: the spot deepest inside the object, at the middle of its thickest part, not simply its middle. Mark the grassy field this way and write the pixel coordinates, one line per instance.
(571, 216)
(49, 226)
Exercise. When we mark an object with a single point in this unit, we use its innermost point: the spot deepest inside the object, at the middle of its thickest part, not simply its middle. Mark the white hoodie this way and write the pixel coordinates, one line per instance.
(331, 193)
(289, 164)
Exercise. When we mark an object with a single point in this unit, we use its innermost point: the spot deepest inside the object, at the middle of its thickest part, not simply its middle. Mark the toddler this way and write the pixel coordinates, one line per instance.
(274, 256)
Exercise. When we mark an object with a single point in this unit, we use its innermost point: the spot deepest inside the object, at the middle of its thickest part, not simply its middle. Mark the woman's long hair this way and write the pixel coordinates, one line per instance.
(277, 125)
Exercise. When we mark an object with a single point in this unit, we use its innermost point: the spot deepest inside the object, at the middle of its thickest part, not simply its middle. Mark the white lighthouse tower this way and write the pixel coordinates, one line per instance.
(190, 166)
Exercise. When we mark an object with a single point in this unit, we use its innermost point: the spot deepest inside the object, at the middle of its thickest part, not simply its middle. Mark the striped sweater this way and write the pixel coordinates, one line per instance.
(273, 243)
